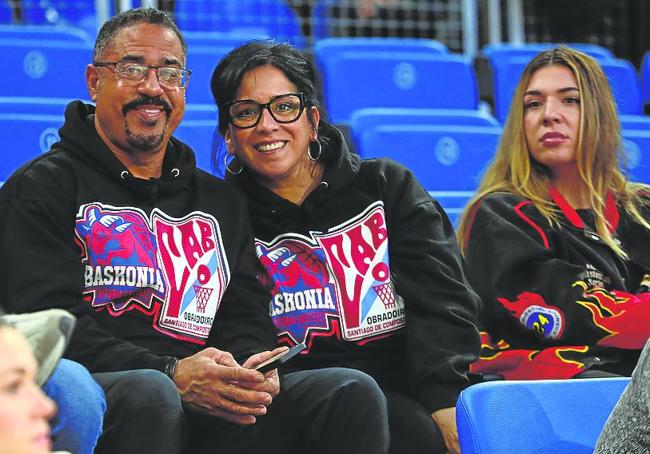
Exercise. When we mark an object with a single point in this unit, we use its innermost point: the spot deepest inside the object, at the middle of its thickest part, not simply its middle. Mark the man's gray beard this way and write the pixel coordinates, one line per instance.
(144, 142)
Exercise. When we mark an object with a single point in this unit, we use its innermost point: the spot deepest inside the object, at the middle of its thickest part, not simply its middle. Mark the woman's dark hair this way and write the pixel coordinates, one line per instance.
(230, 71)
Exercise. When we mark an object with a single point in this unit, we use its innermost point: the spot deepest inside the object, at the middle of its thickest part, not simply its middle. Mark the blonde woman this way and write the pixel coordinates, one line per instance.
(557, 241)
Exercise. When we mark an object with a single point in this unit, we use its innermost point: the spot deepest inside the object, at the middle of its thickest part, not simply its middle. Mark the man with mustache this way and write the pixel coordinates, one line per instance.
(155, 258)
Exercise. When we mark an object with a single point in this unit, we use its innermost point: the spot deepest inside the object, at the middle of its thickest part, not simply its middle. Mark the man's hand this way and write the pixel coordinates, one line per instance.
(445, 418)
(271, 383)
(209, 382)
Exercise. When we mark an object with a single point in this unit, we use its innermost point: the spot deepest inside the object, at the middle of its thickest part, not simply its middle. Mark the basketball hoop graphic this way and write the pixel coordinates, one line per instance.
(386, 294)
(202, 295)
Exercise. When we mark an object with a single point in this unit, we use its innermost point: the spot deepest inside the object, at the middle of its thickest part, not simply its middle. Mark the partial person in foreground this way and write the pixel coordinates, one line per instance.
(627, 430)
(361, 262)
(81, 404)
(24, 409)
(557, 240)
(155, 258)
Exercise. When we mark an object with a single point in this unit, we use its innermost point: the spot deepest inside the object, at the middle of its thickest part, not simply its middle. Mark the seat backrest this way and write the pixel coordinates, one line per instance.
(33, 105)
(201, 60)
(620, 73)
(24, 137)
(635, 122)
(636, 144)
(77, 14)
(6, 13)
(274, 18)
(624, 82)
(199, 130)
(45, 68)
(495, 52)
(327, 48)
(376, 116)
(535, 416)
(645, 78)
(505, 77)
(442, 157)
(355, 80)
(228, 40)
(44, 32)
(447, 160)
(198, 134)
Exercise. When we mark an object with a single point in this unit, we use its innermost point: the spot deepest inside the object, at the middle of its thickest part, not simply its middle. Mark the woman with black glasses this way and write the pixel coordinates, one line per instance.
(360, 260)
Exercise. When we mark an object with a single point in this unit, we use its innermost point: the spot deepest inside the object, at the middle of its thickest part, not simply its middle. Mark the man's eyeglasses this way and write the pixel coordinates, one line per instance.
(168, 76)
(246, 113)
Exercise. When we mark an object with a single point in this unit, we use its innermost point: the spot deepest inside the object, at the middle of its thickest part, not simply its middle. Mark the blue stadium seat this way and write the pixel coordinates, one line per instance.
(201, 60)
(325, 49)
(645, 78)
(355, 80)
(636, 144)
(273, 18)
(24, 136)
(79, 14)
(198, 134)
(621, 74)
(641, 122)
(6, 15)
(624, 81)
(199, 130)
(376, 116)
(201, 112)
(33, 105)
(536, 416)
(228, 40)
(44, 32)
(321, 23)
(447, 160)
(595, 50)
(45, 68)
(495, 52)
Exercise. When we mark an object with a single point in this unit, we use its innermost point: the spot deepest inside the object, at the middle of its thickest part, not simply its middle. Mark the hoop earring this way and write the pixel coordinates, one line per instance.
(225, 163)
(320, 150)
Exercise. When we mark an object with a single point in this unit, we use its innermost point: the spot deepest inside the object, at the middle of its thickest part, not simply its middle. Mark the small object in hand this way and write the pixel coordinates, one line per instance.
(276, 361)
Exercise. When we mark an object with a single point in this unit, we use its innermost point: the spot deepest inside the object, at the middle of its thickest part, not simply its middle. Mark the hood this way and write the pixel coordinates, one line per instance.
(79, 136)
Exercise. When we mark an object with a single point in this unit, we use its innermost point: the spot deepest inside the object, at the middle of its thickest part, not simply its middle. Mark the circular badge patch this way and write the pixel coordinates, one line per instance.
(544, 321)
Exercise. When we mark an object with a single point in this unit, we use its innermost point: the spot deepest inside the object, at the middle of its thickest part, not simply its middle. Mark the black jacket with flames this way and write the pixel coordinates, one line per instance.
(151, 268)
(557, 301)
(367, 273)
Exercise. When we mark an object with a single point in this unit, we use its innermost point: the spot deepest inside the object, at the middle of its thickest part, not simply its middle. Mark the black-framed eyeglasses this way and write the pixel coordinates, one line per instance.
(168, 76)
(246, 113)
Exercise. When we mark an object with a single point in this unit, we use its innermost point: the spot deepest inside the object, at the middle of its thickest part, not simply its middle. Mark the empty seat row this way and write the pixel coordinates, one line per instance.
(356, 72)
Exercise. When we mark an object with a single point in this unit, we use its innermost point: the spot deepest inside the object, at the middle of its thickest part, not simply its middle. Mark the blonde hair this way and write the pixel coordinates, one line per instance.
(599, 151)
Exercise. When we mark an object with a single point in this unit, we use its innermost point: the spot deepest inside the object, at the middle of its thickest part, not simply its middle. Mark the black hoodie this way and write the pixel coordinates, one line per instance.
(366, 271)
(151, 268)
